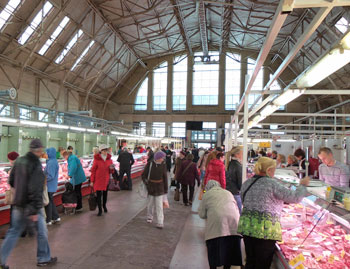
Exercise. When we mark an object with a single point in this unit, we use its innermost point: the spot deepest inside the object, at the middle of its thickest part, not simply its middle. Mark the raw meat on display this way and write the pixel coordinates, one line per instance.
(326, 247)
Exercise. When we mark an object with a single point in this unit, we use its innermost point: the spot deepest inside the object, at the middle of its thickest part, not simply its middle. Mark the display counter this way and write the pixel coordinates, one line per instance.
(136, 171)
(303, 246)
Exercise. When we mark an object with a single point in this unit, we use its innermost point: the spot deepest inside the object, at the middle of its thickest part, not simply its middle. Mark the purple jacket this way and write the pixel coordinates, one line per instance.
(191, 174)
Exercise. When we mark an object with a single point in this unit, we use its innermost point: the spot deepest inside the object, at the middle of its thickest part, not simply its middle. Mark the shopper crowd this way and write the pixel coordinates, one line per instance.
(235, 210)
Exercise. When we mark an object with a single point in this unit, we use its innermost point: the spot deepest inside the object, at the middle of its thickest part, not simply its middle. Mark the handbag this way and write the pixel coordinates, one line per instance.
(177, 195)
(92, 201)
(9, 196)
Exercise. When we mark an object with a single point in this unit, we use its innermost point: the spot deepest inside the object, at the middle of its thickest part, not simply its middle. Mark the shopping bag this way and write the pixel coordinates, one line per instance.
(177, 195)
(92, 201)
(142, 190)
(69, 196)
(200, 196)
(173, 183)
(165, 201)
(9, 196)
(113, 185)
(46, 199)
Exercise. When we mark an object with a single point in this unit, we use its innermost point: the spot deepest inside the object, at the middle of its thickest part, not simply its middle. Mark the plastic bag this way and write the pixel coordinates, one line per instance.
(165, 201)
(142, 190)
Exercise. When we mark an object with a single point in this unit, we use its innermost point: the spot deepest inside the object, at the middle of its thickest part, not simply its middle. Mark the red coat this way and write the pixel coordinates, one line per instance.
(100, 172)
(215, 171)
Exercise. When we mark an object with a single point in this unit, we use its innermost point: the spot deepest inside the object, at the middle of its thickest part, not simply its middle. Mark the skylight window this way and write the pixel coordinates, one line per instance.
(69, 46)
(342, 25)
(35, 23)
(82, 55)
(54, 35)
(6, 13)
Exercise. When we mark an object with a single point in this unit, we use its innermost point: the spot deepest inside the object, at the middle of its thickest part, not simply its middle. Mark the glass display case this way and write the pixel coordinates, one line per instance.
(316, 233)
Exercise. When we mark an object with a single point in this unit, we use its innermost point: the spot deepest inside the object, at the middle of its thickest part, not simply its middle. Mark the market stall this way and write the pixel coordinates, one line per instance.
(136, 171)
(315, 232)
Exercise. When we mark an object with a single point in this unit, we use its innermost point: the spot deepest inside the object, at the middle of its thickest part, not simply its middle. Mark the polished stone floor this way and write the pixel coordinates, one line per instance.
(122, 238)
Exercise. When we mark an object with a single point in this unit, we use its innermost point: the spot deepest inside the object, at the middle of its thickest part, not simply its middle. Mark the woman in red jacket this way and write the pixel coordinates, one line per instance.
(100, 174)
(216, 170)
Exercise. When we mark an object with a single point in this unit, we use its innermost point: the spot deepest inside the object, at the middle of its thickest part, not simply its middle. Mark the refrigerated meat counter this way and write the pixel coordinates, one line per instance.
(136, 171)
(315, 233)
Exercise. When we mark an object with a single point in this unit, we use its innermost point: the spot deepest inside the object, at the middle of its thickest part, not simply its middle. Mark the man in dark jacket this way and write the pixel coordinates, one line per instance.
(234, 175)
(150, 154)
(126, 160)
(27, 178)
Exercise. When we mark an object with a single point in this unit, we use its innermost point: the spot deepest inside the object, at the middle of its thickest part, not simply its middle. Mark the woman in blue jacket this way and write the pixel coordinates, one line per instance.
(77, 176)
(51, 173)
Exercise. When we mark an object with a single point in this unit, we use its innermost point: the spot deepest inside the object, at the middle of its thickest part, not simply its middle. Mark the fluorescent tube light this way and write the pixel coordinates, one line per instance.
(58, 126)
(2, 119)
(327, 65)
(268, 110)
(33, 123)
(277, 133)
(93, 130)
(77, 129)
(287, 96)
(258, 140)
(286, 140)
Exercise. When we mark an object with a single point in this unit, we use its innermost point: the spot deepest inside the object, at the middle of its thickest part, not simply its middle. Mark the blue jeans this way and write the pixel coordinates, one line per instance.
(239, 202)
(18, 224)
(202, 175)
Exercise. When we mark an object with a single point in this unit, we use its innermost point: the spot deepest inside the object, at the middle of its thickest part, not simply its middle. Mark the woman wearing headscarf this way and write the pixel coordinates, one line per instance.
(263, 199)
(189, 175)
(155, 177)
(234, 173)
(220, 210)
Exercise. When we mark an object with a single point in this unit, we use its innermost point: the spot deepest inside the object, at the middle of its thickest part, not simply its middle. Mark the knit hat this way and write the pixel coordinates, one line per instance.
(159, 155)
(102, 147)
(12, 156)
(36, 144)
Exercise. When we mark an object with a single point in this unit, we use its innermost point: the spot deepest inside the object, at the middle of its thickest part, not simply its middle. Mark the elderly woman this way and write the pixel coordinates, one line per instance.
(155, 178)
(220, 210)
(263, 199)
(234, 173)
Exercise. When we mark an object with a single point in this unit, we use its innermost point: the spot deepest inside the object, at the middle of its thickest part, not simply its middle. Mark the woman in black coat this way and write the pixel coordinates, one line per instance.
(234, 173)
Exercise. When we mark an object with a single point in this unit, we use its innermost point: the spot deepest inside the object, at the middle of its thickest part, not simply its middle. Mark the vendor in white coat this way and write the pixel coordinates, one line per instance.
(220, 210)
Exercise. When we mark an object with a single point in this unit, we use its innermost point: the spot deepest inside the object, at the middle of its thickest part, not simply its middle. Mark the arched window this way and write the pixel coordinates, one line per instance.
(160, 86)
(180, 83)
(206, 79)
(141, 98)
(258, 83)
(233, 81)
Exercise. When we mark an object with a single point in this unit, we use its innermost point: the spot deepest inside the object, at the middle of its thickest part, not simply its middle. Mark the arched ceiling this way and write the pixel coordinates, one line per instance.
(127, 33)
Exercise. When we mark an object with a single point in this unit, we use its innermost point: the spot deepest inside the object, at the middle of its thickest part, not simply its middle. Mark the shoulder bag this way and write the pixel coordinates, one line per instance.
(244, 194)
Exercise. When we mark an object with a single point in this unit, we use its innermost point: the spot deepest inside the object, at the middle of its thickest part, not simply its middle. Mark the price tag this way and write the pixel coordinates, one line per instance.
(342, 254)
(297, 262)
(347, 237)
(319, 258)
(331, 259)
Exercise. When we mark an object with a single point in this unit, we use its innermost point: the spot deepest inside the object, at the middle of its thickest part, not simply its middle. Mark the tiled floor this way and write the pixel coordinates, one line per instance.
(122, 238)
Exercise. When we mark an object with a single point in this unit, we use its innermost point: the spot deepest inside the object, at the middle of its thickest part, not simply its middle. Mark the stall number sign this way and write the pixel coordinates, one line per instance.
(338, 196)
(265, 145)
(297, 262)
